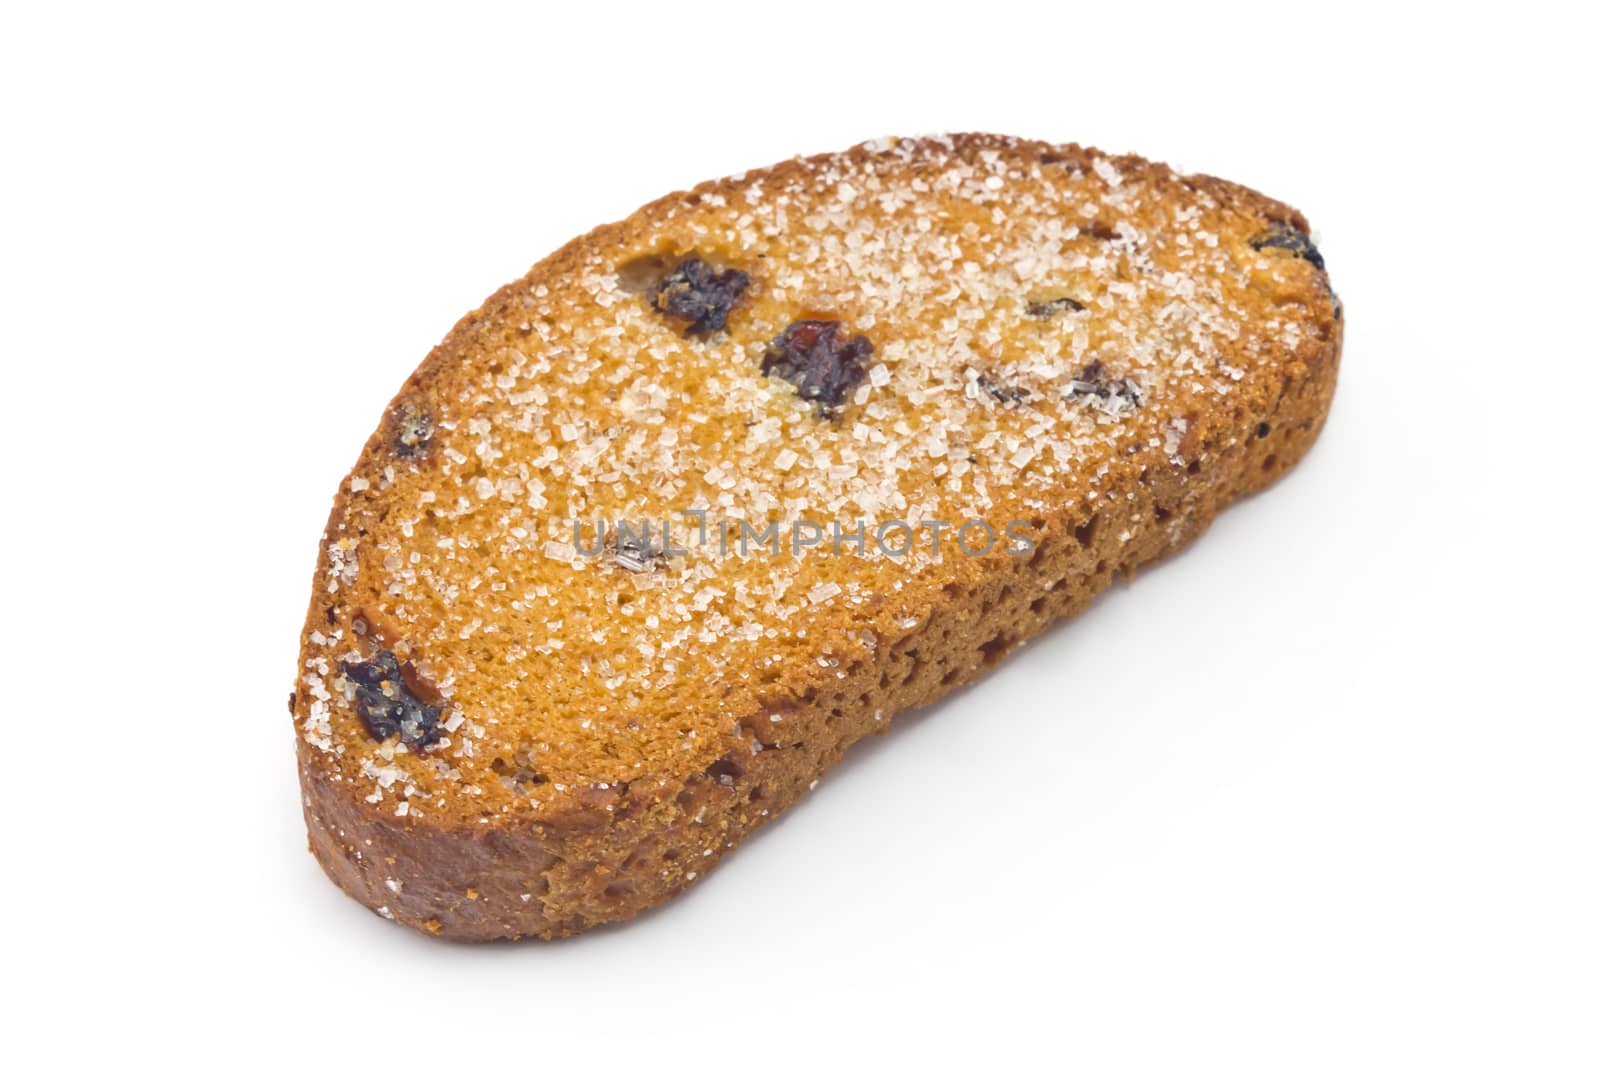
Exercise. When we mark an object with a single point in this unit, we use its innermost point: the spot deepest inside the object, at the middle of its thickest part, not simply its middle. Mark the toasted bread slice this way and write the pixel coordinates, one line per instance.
(873, 420)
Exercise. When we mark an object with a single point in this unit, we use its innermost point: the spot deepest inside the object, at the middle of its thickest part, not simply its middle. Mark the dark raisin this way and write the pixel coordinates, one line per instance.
(822, 366)
(387, 706)
(413, 431)
(1044, 309)
(699, 294)
(1291, 240)
(1005, 394)
(1096, 229)
(1263, 430)
(1091, 383)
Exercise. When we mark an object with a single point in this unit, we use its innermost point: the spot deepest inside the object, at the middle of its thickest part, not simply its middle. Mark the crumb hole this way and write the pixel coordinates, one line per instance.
(724, 771)
(994, 649)
(643, 274)
(1085, 532)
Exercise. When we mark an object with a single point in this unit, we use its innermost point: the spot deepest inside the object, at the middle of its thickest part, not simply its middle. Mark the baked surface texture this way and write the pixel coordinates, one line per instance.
(506, 729)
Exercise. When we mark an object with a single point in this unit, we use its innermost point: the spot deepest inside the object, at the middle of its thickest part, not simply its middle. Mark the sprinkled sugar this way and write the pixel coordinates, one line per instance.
(594, 406)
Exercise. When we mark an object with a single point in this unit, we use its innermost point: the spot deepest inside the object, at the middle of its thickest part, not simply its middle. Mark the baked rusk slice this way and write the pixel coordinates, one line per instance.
(660, 530)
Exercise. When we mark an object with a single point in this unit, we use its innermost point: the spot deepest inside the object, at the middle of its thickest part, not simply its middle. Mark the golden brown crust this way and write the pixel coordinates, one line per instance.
(635, 817)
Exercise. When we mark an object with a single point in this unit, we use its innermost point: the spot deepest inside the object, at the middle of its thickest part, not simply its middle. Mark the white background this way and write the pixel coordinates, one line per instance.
(1323, 789)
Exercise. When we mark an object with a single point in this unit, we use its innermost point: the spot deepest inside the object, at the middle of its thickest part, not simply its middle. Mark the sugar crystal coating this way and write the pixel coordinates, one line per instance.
(573, 395)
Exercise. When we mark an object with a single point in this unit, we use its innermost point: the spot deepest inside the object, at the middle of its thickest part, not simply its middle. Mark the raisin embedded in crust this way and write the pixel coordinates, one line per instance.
(1291, 240)
(413, 431)
(1044, 309)
(823, 367)
(1005, 394)
(1096, 229)
(1091, 383)
(699, 294)
(387, 705)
